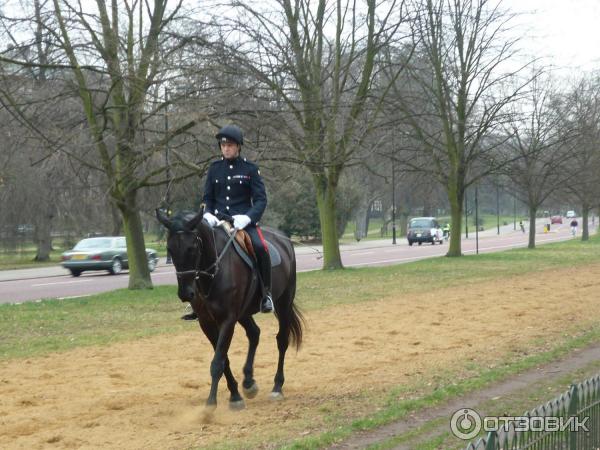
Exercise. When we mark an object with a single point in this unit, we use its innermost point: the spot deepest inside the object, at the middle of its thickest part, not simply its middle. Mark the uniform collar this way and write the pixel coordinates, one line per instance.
(232, 161)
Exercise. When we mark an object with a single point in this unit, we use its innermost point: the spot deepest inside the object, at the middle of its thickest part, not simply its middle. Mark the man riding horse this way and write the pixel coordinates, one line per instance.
(234, 187)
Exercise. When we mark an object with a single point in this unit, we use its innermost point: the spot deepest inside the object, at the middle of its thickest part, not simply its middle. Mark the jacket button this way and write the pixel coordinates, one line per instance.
(228, 187)
(227, 207)
(231, 167)
(229, 178)
(226, 198)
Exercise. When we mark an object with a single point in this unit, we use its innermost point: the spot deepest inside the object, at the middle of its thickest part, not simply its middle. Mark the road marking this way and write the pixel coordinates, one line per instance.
(363, 253)
(60, 282)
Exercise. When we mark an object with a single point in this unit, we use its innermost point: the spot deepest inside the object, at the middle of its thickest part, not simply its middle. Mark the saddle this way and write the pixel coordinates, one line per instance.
(243, 246)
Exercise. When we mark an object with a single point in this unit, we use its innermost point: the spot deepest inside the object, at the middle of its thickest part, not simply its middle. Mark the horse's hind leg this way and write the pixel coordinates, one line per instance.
(220, 364)
(253, 333)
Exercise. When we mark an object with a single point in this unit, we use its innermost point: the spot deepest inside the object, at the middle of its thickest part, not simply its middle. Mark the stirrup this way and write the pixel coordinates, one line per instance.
(266, 304)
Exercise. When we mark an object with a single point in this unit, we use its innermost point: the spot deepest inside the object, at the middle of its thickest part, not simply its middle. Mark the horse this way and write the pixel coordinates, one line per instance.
(224, 290)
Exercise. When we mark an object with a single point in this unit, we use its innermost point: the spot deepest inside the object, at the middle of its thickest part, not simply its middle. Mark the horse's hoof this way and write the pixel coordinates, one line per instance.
(208, 414)
(251, 391)
(237, 405)
(277, 396)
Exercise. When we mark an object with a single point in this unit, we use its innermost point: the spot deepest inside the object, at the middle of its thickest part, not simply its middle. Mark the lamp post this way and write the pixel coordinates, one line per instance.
(498, 205)
(515, 212)
(168, 165)
(476, 222)
(466, 217)
(393, 201)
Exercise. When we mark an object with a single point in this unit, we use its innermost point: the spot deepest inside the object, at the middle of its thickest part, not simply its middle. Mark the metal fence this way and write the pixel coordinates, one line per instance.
(567, 418)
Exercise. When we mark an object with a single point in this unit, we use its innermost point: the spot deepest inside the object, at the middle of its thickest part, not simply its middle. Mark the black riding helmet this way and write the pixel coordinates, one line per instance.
(231, 132)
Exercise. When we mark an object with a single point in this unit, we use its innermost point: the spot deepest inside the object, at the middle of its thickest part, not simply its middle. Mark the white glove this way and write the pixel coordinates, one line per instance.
(211, 219)
(241, 221)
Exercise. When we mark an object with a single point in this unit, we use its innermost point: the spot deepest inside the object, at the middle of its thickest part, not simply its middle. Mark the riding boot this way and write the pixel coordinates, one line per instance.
(264, 267)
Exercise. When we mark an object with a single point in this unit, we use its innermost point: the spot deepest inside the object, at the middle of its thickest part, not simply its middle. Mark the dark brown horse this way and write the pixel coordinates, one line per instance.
(223, 291)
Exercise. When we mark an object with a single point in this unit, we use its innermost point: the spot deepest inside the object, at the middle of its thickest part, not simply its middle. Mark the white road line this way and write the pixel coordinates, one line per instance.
(61, 282)
(363, 253)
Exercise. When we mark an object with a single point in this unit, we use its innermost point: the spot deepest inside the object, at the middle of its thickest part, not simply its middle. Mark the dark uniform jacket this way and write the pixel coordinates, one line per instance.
(235, 187)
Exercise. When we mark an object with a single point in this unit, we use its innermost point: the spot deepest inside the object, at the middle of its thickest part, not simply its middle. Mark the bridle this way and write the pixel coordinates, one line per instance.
(212, 270)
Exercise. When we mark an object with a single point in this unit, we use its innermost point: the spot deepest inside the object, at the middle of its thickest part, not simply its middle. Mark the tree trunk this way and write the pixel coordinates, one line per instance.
(532, 213)
(403, 218)
(585, 232)
(43, 235)
(117, 220)
(455, 197)
(326, 204)
(139, 274)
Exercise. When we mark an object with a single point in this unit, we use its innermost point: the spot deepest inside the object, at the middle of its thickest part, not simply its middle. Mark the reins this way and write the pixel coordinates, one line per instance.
(212, 270)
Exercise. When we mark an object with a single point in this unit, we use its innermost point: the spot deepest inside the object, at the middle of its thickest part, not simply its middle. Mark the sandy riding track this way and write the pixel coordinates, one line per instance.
(149, 393)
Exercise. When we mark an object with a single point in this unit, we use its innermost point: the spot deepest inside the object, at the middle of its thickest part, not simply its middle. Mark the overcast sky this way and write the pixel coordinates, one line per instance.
(567, 32)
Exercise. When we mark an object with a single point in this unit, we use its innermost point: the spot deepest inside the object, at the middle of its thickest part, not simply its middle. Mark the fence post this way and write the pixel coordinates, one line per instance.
(491, 441)
(573, 408)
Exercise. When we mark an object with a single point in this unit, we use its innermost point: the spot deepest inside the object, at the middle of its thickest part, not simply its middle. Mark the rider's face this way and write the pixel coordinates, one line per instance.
(230, 149)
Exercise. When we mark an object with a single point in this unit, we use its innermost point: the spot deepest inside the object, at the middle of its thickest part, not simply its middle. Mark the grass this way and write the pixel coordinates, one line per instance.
(447, 387)
(32, 329)
(515, 403)
(56, 325)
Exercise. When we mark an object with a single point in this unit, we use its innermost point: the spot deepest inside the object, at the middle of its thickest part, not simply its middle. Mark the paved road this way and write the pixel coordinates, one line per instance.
(54, 282)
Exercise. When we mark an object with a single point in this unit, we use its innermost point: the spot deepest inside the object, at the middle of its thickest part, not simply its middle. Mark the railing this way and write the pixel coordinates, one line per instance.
(568, 422)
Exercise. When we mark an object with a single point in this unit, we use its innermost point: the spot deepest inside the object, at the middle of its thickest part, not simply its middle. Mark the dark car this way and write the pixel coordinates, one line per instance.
(555, 219)
(424, 229)
(102, 253)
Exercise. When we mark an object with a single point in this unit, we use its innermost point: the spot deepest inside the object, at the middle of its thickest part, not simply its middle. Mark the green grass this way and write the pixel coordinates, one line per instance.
(31, 329)
(56, 325)
(447, 387)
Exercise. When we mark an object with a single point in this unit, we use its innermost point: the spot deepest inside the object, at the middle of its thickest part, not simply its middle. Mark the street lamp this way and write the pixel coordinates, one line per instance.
(393, 201)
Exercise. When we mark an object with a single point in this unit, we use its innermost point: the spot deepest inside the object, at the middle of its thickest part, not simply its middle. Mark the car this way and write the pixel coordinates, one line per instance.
(102, 253)
(571, 214)
(424, 229)
(555, 219)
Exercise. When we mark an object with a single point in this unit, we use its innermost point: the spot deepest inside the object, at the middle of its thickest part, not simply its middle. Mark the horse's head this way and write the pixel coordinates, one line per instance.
(185, 247)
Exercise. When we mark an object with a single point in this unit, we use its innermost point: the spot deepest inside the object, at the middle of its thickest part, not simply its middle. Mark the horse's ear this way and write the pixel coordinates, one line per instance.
(162, 218)
(194, 221)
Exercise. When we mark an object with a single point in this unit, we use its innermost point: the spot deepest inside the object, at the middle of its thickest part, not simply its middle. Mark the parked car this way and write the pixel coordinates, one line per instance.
(102, 253)
(424, 229)
(555, 219)
(571, 214)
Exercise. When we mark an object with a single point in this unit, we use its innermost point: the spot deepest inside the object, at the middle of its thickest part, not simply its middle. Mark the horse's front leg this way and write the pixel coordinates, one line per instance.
(253, 333)
(217, 366)
(211, 330)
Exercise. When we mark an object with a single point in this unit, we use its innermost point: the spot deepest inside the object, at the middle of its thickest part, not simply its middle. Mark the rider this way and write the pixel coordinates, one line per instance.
(234, 187)
(446, 230)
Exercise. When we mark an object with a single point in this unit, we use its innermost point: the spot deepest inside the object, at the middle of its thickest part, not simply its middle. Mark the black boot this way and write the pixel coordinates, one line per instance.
(264, 267)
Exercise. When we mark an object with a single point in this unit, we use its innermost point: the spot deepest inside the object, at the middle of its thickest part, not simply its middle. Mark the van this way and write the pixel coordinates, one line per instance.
(571, 214)
(424, 229)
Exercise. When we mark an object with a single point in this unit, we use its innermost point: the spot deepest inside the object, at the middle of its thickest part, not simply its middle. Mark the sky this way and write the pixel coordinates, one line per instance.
(566, 33)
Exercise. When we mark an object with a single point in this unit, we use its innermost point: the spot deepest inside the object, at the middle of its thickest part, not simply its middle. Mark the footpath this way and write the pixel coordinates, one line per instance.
(520, 385)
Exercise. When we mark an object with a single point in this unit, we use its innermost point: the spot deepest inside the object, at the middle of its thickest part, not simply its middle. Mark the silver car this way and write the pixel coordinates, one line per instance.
(102, 253)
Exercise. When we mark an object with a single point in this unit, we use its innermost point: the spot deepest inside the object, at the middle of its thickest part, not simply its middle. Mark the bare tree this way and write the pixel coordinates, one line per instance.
(112, 55)
(456, 96)
(583, 166)
(315, 65)
(539, 149)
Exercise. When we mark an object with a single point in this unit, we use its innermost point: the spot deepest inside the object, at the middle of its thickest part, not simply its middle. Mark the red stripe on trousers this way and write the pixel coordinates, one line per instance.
(262, 239)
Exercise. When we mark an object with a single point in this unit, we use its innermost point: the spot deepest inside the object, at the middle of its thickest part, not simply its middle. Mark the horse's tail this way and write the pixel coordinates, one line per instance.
(296, 326)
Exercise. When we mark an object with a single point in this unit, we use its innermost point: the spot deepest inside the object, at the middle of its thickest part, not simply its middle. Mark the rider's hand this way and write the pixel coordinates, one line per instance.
(241, 221)
(211, 219)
